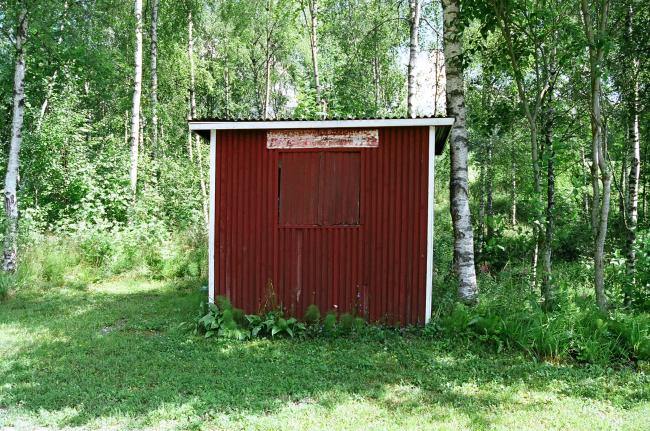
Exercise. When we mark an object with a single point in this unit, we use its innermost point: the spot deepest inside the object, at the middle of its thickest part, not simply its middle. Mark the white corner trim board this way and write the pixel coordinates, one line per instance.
(213, 194)
(430, 216)
(318, 124)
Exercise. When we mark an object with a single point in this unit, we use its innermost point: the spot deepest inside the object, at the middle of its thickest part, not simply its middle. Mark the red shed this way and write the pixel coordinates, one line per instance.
(337, 213)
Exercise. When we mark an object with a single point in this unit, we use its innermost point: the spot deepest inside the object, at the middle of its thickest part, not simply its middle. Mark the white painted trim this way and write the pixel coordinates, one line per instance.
(213, 195)
(318, 124)
(430, 219)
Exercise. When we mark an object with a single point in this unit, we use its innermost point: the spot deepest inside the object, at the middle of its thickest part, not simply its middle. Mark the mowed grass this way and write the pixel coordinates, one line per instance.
(112, 357)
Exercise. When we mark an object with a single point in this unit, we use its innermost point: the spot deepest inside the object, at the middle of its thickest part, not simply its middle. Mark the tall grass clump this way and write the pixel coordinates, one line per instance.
(74, 256)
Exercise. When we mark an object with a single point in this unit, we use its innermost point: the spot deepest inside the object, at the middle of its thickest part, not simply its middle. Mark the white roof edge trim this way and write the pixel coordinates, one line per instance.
(318, 124)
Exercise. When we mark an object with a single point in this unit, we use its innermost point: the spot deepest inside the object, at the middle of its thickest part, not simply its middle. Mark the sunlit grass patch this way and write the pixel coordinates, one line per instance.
(113, 357)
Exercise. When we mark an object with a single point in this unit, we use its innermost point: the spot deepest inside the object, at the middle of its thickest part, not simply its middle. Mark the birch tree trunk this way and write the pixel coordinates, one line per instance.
(192, 102)
(489, 181)
(267, 87)
(226, 83)
(414, 7)
(599, 169)
(531, 111)
(645, 185)
(137, 94)
(548, 290)
(480, 240)
(585, 184)
(632, 199)
(460, 213)
(52, 79)
(312, 23)
(192, 115)
(10, 255)
(154, 78)
(513, 189)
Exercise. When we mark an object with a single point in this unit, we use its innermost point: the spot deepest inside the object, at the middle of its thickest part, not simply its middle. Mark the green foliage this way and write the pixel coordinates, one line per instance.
(224, 321)
(510, 318)
(130, 327)
(312, 314)
(359, 324)
(329, 324)
(346, 323)
(239, 317)
(7, 283)
(223, 303)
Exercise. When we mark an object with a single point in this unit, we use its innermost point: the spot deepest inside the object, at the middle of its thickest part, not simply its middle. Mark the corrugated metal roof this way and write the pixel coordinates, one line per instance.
(442, 131)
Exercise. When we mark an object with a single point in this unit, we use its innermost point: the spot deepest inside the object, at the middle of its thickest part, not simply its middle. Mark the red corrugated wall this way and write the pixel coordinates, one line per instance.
(376, 269)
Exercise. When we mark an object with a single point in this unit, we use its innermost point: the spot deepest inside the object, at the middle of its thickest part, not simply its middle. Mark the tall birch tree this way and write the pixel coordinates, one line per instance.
(137, 94)
(460, 213)
(414, 27)
(10, 255)
(594, 16)
(530, 100)
(192, 115)
(310, 15)
(634, 143)
(51, 81)
(154, 77)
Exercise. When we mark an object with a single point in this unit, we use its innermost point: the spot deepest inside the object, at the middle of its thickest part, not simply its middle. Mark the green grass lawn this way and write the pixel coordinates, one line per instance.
(112, 357)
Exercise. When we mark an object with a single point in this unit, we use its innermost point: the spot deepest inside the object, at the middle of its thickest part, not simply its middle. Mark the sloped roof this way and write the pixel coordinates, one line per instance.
(202, 126)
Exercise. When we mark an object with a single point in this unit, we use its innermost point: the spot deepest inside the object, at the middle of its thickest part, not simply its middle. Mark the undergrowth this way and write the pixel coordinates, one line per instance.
(509, 316)
(76, 259)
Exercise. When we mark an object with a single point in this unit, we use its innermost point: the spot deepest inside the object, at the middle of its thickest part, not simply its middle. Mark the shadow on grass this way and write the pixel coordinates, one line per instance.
(119, 352)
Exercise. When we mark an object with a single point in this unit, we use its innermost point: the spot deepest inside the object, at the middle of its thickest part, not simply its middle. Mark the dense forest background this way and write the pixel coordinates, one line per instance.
(527, 68)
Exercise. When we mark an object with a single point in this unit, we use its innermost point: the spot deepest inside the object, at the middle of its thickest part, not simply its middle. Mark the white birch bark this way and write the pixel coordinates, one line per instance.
(312, 23)
(548, 289)
(49, 89)
(154, 78)
(137, 94)
(414, 7)
(267, 86)
(634, 175)
(531, 111)
(460, 213)
(192, 115)
(599, 169)
(190, 55)
(10, 255)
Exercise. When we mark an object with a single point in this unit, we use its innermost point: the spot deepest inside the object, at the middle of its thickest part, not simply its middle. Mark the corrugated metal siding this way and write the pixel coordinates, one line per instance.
(376, 269)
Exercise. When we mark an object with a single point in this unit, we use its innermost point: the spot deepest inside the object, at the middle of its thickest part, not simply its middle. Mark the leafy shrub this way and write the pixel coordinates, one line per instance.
(359, 324)
(346, 323)
(571, 332)
(329, 324)
(312, 315)
(223, 303)
(273, 323)
(54, 268)
(97, 248)
(224, 321)
(213, 322)
(239, 317)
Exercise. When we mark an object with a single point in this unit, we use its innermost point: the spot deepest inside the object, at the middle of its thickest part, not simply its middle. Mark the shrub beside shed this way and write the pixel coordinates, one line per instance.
(338, 213)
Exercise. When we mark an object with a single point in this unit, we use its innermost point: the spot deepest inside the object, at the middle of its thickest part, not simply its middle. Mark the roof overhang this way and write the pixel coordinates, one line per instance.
(442, 124)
